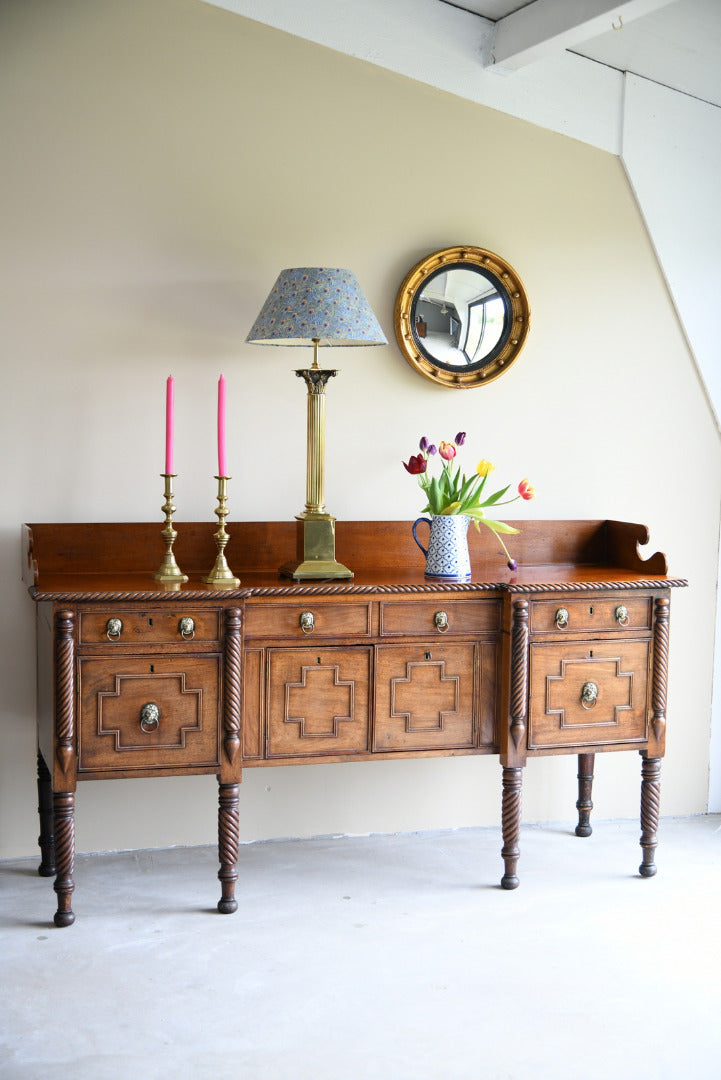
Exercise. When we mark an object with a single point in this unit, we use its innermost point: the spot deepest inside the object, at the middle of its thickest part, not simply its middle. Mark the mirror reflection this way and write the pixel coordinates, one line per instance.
(460, 316)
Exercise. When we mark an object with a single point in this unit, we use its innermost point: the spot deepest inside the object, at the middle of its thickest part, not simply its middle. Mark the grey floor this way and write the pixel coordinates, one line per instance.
(389, 957)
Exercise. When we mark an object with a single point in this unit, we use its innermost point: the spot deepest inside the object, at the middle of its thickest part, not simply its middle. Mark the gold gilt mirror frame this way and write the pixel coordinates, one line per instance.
(461, 317)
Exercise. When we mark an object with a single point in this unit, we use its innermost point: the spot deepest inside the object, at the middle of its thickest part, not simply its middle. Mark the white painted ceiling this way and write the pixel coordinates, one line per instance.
(676, 44)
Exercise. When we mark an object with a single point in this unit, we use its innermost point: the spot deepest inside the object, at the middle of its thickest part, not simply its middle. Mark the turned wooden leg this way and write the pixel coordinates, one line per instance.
(585, 787)
(511, 825)
(228, 829)
(64, 806)
(650, 806)
(46, 840)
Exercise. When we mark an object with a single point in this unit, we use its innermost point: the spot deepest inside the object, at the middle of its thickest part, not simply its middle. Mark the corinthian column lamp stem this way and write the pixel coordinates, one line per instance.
(317, 306)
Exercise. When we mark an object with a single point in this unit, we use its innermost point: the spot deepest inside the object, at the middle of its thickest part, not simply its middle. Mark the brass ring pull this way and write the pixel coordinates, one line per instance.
(114, 628)
(149, 716)
(440, 621)
(589, 695)
(562, 617)
(307, 622)
(621, 615)
(186, 626)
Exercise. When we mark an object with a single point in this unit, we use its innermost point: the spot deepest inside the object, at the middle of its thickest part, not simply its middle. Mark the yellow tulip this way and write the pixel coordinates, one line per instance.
(484, 467)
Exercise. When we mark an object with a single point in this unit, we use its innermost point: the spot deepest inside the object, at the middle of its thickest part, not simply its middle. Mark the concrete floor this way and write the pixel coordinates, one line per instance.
(373, 958)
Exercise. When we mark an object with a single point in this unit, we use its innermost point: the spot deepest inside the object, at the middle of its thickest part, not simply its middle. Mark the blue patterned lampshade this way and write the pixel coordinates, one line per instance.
(316, 303)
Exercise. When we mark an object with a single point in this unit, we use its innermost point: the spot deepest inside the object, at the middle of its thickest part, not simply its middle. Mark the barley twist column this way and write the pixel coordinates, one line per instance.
(231, 685)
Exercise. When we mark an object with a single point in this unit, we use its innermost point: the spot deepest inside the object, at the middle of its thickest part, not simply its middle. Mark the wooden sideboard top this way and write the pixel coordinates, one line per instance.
(117, 560)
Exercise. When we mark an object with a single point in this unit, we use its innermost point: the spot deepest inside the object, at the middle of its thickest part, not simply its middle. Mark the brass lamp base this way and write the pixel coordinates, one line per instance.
(315, 550)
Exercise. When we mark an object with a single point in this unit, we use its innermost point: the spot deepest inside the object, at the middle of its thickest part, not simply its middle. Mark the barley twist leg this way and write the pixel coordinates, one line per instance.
(511, 825)
(64, 806)
(650, 807)
(228, 833)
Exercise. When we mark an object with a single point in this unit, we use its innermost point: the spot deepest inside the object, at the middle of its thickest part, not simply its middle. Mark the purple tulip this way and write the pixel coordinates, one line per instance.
(512, 564)
(423, 444)
(460, 438)
(432, 449)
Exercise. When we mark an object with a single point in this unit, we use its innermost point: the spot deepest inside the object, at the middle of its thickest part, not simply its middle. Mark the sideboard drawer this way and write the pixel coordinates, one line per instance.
(438, 617)
(136, 715)
(594, 614)
(313, 619)
(424, 697)
(152, 626)
(582, 696)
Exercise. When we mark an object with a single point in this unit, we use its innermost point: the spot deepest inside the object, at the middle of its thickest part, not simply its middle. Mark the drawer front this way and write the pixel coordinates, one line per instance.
(595, 614)
(313, 619)
(424, 697)
(439, 617)
(123, 626)
(588, 696)
(138, 715)
(318, 702)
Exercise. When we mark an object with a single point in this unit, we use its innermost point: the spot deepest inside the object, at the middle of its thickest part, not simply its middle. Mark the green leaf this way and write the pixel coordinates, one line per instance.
(499, 526)
(496, 496)
(435, 496)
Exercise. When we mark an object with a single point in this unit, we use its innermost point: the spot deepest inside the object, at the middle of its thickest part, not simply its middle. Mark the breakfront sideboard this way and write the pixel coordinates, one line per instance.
(566, 655)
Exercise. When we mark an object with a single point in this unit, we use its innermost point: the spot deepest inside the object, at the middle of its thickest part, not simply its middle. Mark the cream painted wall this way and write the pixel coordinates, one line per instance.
(164, 159)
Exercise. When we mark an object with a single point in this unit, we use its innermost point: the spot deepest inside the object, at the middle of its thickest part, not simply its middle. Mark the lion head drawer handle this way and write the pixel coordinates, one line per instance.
(149, 716)
(307, 622)
(440, 621)
(589, 695)
(621, 615)
(186, 626)
(561, 618)
(114, 628)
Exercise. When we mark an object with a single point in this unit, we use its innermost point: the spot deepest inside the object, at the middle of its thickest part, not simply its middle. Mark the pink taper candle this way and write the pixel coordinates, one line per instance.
(169, 423)
(221, 426)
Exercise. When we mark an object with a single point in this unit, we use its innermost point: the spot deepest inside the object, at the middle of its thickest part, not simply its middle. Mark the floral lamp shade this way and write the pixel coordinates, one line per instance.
(321, 304)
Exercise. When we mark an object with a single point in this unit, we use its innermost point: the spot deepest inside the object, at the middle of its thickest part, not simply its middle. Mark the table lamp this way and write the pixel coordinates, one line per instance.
(318, 307)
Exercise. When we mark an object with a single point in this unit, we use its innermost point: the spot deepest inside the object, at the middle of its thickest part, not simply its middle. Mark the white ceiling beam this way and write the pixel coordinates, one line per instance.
(546, 27)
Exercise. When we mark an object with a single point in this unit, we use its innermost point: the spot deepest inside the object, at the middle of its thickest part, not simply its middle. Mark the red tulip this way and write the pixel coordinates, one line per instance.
(526, 490)
(447, 451)
(416, 464)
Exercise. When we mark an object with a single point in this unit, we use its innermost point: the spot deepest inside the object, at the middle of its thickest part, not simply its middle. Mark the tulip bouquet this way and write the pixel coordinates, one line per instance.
(454, 493)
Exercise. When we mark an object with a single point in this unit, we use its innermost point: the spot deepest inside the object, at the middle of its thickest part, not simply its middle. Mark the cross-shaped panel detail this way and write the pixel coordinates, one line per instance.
(425, 697)
(320, 702)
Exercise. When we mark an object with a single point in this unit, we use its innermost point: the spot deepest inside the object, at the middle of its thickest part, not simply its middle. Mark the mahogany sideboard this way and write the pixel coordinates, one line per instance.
(566, 655)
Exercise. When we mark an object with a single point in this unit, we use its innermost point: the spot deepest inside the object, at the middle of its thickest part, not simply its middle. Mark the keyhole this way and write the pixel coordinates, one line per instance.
(150, 622)
(318, 660)
(152, 669)
(590, 653)
(590, 611)
(428, 655)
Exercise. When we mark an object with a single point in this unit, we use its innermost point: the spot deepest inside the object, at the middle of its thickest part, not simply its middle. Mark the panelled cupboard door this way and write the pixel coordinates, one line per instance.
(318, 701)
(588, 695)
(425, 697)
(141, 714)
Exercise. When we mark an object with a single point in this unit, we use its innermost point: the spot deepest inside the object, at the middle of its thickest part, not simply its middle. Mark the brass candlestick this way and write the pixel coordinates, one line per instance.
(221, 576)
(169, 570)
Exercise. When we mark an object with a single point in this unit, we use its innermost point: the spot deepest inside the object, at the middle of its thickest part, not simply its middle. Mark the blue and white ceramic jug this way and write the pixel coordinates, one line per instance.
(447, 551)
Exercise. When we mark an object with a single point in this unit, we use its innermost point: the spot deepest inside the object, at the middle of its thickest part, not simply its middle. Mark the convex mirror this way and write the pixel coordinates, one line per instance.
(461, 316)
